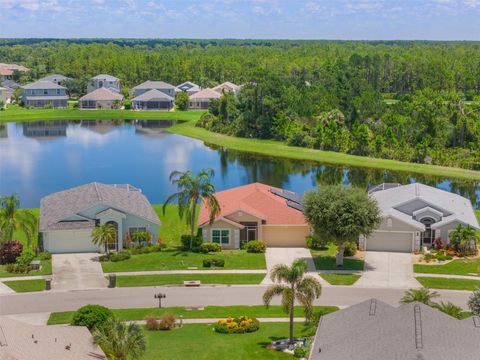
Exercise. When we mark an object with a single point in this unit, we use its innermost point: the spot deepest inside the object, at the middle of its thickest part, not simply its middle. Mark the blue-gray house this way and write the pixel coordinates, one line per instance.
(68, 217)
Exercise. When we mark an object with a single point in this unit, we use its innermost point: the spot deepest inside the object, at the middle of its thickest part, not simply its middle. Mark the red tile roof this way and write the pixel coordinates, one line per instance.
(5, 72)
(255, 199)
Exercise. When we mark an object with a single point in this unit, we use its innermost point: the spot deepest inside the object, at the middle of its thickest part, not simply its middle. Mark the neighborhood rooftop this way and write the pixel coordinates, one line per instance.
(152, 95)
(375, 330)
(105, 77)
(102, 94)
(58, 206)
(150, 84)
(206, 94)
(42, 84)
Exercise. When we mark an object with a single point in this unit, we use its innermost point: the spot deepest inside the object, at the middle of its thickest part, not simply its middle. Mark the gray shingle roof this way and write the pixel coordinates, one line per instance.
(105, 77)
(151, 84)
(153, 95)
(42, 84)
(102, 94)
(375, 330)
(10, 84)
(188, 86)
(21, 341)
(54, 77)
(457, 207)
(60, 205)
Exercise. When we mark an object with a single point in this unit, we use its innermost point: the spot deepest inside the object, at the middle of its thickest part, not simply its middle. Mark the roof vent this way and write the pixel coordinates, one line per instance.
(373, 307)
(418, 327)
(417, 189)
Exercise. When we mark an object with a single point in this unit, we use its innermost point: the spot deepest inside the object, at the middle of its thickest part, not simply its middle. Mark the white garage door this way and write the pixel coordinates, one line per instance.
(390, 241)
(69, 241)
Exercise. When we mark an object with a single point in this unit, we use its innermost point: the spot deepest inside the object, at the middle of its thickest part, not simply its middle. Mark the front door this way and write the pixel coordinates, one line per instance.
(249, 232)
(112, 245)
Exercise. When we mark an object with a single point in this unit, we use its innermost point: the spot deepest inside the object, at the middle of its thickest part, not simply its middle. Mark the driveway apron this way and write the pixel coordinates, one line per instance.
(77, 272)
(387, 270)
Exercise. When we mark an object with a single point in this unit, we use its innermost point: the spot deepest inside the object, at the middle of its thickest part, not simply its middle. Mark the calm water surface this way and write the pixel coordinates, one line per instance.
(38, 158)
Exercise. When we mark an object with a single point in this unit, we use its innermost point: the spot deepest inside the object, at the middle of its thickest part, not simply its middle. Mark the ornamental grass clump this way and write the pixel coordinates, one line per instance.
(240, 325)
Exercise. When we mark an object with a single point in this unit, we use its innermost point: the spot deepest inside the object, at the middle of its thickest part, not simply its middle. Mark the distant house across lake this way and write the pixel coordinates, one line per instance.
(56, 78)
(103, 80)
(201, 99)
(148, 85)
(42, 93)
(188, 87)
(101, 98)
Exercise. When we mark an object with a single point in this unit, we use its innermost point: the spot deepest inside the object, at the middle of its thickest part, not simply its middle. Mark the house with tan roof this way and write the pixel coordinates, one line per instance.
(101, 98)
(227, 86)
(68, 217)
(415, 216)
(256, 212)
(200, 100)
(23, 341)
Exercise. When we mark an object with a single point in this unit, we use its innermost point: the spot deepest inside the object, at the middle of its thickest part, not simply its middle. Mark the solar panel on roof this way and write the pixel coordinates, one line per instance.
(288, 195)
(295, 205)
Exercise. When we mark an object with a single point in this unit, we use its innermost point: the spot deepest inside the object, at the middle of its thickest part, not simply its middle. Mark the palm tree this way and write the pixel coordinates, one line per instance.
(450, 309)
(422, 295)
(464, 238)
(120, 341)
(103, 235)
(12, 219)
(293, 285)
(191, 189)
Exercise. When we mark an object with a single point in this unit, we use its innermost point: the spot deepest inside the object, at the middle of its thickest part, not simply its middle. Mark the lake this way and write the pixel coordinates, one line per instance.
(39, 158)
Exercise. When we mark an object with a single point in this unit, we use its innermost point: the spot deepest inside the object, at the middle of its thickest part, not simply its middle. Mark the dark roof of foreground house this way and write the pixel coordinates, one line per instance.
(375, 330)
(152, 84)
(57, 207)
(102, 94)
(153, 95)
(22, 341)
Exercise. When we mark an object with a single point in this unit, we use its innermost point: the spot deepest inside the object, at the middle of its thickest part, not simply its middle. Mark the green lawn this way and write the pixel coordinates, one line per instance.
(192, 342)
(340, 279)
(325, 260)
(279, 149)
(26, 285)
(16, 113)
(180, 260)
(450, 284)
(154, 280)
(172, 226)
(45, 270)
(456, 267)
(260, 311)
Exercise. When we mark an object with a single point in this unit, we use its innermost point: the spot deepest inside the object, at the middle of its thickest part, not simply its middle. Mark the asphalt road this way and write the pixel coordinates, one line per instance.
(342, 296)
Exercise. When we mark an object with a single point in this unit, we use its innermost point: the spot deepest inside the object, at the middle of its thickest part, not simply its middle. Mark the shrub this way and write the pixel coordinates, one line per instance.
(210, 247)
(45, 255)
(350, 248)
(299, 352)
(196, 242)
(120, 256)
(213, 262)
(10, 251)
(316, 243)
(18, 268)
(152, 323)
(240, 325)
(474, 302)
(167, 321)
(25, 258)
(92, 316)
(256, 246)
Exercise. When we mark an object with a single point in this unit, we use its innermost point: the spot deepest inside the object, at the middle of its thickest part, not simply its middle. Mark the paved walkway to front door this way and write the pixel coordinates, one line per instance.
(387, 270)
(77, 272)
(286, 255)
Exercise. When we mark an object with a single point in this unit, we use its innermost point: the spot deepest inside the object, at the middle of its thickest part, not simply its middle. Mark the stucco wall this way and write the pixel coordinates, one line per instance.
(207, 232)
(397, 225)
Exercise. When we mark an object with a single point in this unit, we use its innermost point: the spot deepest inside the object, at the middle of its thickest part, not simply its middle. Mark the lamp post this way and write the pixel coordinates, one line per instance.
(160, 296)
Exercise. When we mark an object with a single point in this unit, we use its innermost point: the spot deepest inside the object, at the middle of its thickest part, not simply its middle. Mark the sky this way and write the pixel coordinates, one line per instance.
(242, 19)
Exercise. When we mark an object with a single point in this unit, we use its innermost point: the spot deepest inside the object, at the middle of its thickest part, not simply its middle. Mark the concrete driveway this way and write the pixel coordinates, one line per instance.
(287, 255)
(388, 269)
(77, 272)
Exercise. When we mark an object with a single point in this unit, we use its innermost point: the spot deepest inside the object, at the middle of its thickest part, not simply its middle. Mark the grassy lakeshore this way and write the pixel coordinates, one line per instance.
(279, 149)
(16, 113)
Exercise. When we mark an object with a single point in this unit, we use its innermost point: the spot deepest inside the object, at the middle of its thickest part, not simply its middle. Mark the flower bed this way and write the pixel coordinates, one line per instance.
(240, 325)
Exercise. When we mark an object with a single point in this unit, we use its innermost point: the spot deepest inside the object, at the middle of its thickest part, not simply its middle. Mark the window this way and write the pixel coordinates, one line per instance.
(134, 230)
(221, 236)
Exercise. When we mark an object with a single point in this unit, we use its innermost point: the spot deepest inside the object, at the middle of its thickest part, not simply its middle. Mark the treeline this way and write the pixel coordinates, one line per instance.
(320, 94)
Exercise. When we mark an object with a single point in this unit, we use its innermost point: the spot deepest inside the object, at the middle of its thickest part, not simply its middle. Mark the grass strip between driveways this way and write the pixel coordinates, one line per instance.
(26, 285)
(470, 267)
(260, 311)
(340, 279)
(449, 284)
(174, 279)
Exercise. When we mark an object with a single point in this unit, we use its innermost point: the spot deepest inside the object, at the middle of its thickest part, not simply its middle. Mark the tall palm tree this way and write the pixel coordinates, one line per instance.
(449, 309)
(120, 341)
(292, 284)
(104, 234)
(12, 219)
(191, 189)
(422, 295)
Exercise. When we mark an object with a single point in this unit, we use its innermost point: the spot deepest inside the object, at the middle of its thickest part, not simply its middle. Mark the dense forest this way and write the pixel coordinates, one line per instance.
(320, 94)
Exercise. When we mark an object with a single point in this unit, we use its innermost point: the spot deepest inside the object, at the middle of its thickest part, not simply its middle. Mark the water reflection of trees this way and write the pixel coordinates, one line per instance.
(277, 172)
